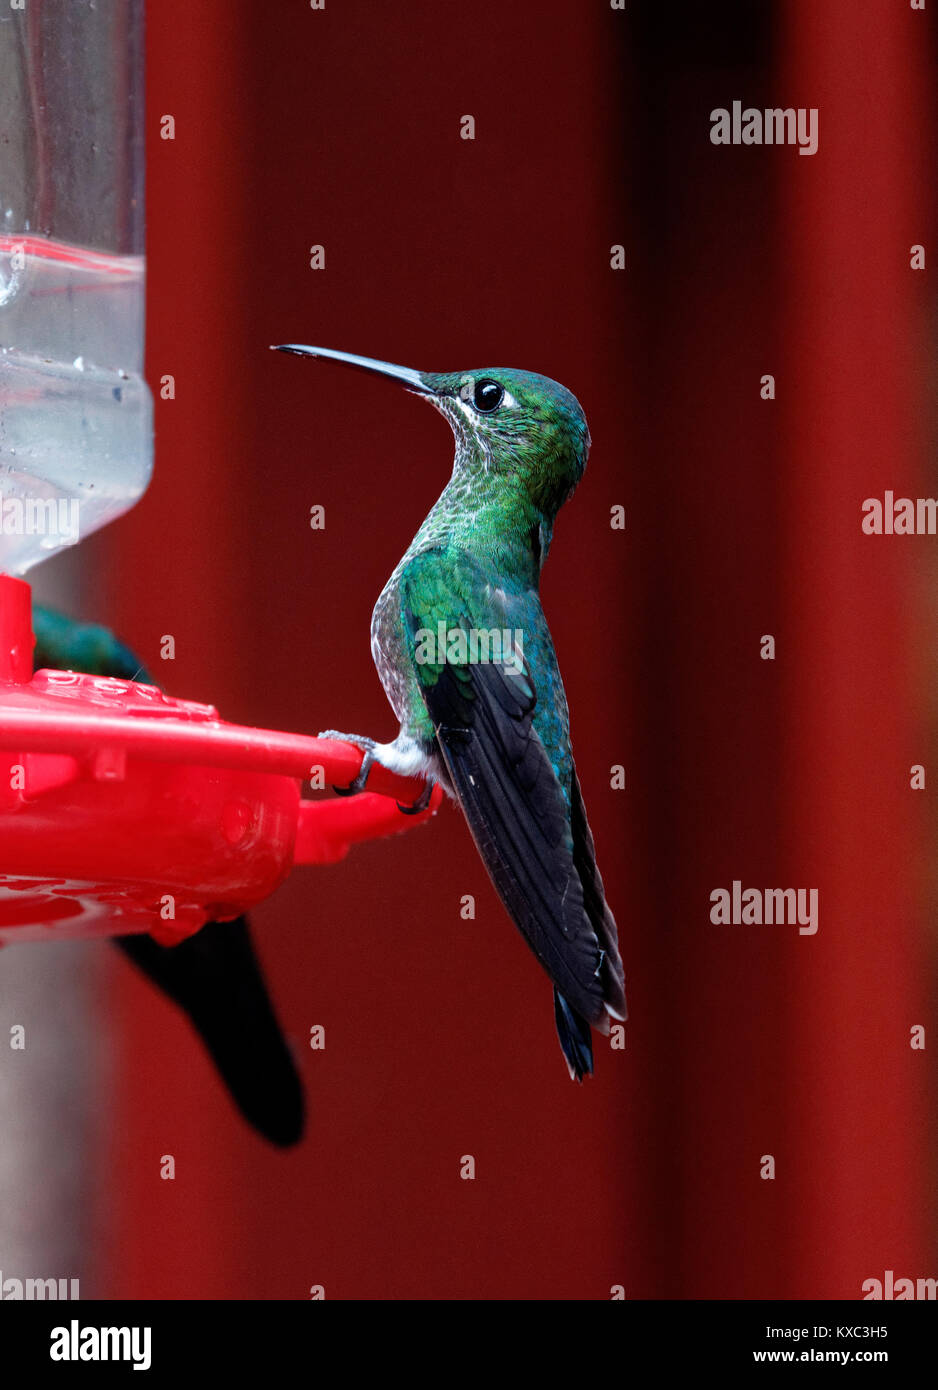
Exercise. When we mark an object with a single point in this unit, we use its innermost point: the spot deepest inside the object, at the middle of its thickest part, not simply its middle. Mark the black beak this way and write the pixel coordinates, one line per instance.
(408, 375)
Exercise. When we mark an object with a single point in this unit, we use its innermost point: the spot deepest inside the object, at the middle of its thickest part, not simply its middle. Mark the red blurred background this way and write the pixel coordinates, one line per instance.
(341, 128)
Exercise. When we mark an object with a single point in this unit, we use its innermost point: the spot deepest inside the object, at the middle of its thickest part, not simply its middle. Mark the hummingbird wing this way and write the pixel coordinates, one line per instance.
(530, 829)
(213, 976)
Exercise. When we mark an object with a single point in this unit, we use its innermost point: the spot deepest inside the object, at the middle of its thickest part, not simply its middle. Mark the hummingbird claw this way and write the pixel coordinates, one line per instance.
(422, 802)
(352, 789)
(358, 783)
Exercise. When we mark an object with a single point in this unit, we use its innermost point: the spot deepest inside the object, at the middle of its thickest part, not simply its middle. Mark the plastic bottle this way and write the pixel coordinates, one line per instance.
(76, 443)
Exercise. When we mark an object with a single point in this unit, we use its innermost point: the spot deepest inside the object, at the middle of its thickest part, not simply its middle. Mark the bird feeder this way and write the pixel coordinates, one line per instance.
(121, 809)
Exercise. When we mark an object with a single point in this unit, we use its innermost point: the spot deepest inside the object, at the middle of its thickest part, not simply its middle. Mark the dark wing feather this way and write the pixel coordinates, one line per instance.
(515, 809)
(594, 899)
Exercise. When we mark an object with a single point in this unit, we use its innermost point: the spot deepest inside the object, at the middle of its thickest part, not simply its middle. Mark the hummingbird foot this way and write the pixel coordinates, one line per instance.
(367, 745)
(403, 756)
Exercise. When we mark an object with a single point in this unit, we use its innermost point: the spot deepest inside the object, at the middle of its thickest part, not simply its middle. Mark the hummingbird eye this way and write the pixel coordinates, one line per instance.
(488, 396)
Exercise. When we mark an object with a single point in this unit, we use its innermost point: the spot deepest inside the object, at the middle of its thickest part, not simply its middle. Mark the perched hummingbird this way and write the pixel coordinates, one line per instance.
(213, 976)
(495, 732)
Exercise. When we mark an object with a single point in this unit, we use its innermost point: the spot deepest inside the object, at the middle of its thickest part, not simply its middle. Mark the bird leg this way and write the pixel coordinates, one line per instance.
(401, 757)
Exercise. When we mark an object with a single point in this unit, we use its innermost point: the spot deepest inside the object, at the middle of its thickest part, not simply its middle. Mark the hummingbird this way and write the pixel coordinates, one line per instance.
(214, 976)
(464, 653)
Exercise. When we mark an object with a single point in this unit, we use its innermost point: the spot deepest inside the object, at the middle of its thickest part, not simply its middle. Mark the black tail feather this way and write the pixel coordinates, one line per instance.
(215, 978)
(575, 1036)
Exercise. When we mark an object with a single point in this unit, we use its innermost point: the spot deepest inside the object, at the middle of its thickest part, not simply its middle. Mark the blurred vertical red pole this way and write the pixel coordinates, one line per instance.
(173, 569)
(854, 410)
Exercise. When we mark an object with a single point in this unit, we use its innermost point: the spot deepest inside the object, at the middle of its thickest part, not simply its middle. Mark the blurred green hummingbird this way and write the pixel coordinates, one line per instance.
(215, 976)
(465, 656)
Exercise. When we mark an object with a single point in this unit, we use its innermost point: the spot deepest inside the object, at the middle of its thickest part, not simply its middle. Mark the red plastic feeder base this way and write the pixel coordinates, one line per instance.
(122, 810)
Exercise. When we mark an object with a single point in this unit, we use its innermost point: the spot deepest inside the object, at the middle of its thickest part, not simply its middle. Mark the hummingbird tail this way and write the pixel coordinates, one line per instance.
(215, 978)
(575, 1038)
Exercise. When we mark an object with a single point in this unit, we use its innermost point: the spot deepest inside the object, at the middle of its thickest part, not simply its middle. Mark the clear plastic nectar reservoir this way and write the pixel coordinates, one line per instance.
(76, 446)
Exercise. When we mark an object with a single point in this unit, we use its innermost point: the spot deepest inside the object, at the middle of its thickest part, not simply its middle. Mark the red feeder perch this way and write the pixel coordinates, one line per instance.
(122, 810)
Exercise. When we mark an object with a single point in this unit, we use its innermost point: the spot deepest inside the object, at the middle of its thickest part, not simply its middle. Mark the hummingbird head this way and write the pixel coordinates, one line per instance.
(510, 426)
(515, 426)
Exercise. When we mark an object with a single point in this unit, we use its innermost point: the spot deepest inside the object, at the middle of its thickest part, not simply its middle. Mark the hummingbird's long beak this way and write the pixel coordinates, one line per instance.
(409, 375)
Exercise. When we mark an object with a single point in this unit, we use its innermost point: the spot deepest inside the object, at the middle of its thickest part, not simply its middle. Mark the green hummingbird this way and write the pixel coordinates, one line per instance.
(466, 659)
